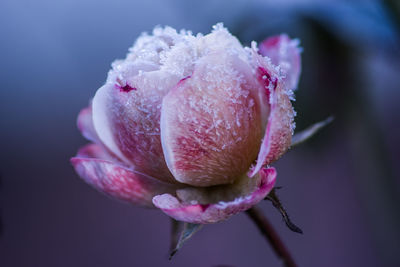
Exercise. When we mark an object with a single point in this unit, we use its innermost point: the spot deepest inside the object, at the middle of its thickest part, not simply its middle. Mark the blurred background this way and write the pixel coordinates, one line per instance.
(342, 187)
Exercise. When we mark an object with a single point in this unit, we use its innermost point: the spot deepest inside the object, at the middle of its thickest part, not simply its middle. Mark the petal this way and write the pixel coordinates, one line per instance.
(116, 180)
(85, 124)
(280, 125)
(126, 115)
(210, 122)
(218, 211)
(284, 52)
(96, 151)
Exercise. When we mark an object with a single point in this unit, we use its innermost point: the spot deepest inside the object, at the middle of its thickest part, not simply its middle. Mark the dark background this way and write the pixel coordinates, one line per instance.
(341, 188)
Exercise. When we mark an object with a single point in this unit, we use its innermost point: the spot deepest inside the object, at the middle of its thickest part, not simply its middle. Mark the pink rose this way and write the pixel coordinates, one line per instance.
(189, 124)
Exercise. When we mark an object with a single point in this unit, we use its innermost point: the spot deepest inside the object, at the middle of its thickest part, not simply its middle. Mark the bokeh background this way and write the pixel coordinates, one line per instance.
(341, 188)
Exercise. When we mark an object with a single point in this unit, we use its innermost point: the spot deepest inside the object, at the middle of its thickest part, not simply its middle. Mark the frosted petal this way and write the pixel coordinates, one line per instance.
(126, 116)
(279, 130)
(111, 178)
(210, 122)
(212, 212)
(285, 53)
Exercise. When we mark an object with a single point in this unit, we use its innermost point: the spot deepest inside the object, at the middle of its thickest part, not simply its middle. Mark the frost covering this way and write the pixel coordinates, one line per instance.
(190, 123)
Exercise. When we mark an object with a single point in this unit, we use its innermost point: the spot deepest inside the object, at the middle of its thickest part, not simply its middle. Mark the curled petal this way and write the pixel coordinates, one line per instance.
(85, 124)
(285, 53)
(217, 211)
(126, 115)
(279, 130)
(96, 168)
(210, 122)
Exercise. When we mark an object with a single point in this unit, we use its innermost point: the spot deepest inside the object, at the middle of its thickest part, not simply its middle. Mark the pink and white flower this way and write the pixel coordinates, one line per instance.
(190, 123)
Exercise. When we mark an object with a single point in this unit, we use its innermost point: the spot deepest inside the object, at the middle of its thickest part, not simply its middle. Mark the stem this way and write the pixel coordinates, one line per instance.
(270, 234)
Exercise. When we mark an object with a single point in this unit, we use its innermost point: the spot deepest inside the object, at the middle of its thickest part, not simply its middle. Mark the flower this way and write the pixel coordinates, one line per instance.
(188, 123)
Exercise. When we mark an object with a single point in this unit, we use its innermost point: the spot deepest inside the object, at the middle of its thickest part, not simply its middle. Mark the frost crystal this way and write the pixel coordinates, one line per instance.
(176, 53)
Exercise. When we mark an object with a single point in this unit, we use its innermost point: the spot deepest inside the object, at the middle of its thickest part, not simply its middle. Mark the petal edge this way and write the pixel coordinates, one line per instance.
(212, 213)
(119, 182)
(285, 53)
(85, 124)
(280, 126)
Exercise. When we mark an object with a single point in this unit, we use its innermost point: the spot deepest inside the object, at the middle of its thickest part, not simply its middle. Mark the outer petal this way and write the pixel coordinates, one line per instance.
(126, 116)
(85, 124)
(278, 133)
(97, 151)
(96, 167)
(210, 122)
(284, 52)
(215, 212)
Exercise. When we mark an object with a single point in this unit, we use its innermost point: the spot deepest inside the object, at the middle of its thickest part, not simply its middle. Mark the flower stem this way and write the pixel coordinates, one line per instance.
(270, 234)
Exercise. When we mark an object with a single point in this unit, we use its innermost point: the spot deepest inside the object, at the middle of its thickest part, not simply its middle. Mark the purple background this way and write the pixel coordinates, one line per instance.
(341, 188)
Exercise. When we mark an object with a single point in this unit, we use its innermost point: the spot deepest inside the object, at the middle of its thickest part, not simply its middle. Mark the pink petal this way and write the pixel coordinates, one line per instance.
(215, 212)
(96, 151)
(116, 180)
(85, 124)
(126, 115)
(210, 122)
(284, 52)
(280, 125)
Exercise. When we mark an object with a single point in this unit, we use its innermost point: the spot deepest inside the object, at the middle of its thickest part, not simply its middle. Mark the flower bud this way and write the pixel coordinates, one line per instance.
(187, 123)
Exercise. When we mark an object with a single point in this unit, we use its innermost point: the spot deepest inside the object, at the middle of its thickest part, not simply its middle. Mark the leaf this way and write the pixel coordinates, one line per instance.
(278, 205)
(176, 228)
(187, 231)
(304, 135)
